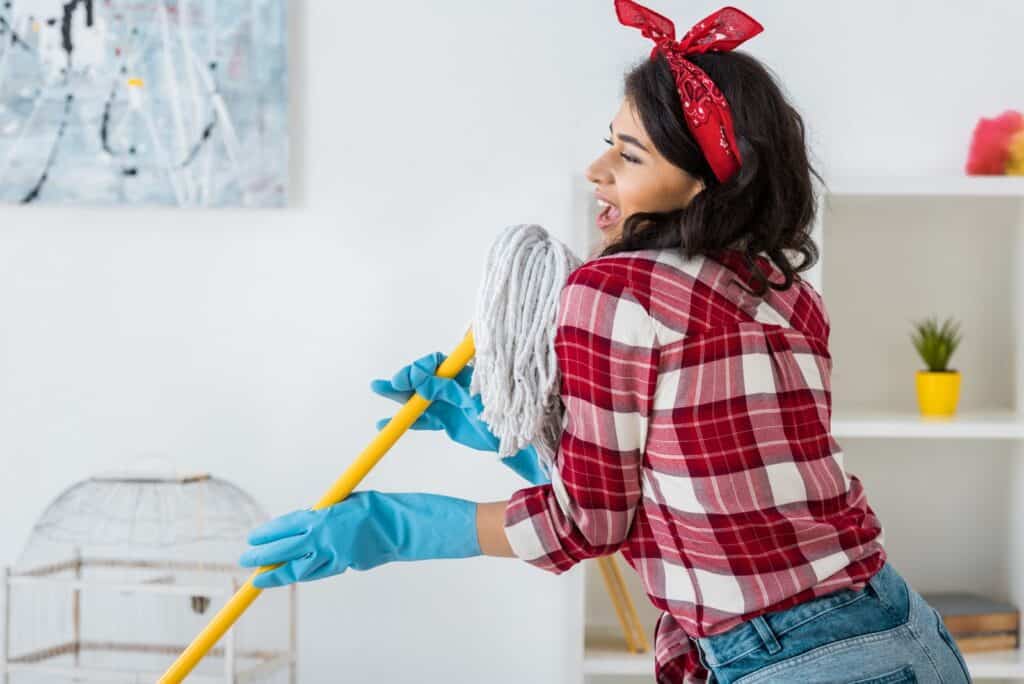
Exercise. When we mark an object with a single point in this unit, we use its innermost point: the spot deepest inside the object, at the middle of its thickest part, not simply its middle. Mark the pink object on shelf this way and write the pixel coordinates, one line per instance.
(990, 144)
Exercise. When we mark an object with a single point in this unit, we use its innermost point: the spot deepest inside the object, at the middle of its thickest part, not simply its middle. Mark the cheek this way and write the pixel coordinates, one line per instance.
(655, 196)
(637, 189)
(630, 193)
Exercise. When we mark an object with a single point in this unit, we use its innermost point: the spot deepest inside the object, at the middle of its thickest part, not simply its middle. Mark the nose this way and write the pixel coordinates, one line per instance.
(597, 173)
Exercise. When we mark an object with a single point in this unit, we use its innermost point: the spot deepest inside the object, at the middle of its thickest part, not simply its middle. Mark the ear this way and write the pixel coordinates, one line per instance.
(696, 187)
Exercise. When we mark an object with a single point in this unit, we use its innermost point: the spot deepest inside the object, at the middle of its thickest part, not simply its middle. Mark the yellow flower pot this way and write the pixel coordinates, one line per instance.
(938, 392)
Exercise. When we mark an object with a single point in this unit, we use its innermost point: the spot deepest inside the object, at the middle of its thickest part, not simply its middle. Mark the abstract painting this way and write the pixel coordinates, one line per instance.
(144, 102)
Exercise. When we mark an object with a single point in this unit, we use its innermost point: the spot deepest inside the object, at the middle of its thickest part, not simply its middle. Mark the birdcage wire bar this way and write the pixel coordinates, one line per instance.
(263, 661)
(120, 543)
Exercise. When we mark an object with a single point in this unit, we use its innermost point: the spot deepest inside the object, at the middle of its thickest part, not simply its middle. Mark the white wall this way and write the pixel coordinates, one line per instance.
(243, 343)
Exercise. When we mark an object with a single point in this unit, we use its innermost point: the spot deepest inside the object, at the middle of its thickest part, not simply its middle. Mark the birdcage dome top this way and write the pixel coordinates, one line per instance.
(149, 513)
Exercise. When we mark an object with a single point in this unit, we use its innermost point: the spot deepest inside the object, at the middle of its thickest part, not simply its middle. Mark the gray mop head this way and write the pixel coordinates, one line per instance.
(515, 370)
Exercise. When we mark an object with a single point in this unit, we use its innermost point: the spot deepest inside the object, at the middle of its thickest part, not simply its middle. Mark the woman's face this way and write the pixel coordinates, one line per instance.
(632, 176)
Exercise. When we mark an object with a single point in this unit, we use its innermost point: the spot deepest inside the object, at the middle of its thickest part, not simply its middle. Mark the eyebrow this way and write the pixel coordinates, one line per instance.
(629, 139)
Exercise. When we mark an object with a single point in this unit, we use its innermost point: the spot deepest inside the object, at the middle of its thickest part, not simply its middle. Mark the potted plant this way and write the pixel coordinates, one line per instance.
(938, 388)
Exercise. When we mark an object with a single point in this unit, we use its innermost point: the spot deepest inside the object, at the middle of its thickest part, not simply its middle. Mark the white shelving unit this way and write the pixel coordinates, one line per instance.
(994, 424)
(949, 492)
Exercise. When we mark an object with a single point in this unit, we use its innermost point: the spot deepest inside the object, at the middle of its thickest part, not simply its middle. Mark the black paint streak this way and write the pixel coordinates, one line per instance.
(65, 29)
(105, 123)
(15, 38)
(105, 135)
(198, 146)
(209, 127)
(133, 170)
(208, 131)
(65, 24)
(33, 194)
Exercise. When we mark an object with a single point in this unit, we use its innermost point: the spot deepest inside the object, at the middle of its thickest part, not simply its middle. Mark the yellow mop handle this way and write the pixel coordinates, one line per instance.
(340, 490)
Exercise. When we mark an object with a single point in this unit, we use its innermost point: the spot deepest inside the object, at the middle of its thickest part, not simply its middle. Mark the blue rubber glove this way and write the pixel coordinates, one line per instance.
(367, 529)
(526, 463)
(453, 410)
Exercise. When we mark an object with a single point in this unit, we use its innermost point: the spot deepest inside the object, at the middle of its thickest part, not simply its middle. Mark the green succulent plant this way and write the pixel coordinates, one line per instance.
(936, 343)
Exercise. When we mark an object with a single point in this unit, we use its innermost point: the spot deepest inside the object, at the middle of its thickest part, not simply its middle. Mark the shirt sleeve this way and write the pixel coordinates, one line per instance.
(607, 354)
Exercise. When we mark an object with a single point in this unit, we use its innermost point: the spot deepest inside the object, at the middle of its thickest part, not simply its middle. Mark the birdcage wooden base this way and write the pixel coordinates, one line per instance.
(239, 665)
(262, 663)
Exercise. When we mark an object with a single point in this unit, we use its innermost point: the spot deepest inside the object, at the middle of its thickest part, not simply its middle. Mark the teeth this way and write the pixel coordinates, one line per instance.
(604, 205)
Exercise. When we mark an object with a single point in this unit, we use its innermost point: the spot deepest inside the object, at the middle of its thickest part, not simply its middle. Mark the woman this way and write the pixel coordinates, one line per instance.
(696, 386)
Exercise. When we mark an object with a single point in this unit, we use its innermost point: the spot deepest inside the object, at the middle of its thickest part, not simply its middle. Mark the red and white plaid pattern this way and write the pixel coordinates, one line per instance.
(697, 441)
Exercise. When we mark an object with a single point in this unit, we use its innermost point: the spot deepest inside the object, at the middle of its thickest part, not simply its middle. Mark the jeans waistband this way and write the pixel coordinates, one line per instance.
(764, 630)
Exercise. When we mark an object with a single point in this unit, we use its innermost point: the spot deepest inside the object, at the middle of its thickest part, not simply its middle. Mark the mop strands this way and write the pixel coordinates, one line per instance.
(516, 376)
(515, 370)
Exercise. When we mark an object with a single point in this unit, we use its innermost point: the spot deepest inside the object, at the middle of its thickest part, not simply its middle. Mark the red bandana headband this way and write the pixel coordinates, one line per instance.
(706, 109)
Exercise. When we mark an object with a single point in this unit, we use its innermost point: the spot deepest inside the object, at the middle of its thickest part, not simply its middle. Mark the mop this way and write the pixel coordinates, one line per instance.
(515, 372)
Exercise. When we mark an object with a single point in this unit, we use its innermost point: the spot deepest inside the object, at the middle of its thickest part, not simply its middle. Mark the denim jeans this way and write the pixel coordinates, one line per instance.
(884, 633)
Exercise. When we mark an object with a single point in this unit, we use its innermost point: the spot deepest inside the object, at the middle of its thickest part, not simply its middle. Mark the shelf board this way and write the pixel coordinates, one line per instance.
(991, 424)
(608, 660)
(617, 661)
(996, 664)
(605, 653)
(962, 186)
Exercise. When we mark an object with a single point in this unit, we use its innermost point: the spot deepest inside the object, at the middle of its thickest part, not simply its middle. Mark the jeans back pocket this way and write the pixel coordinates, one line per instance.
(903, 674)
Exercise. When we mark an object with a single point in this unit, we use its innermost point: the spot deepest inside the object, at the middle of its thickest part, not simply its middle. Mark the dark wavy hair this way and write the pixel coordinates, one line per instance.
(767, 207)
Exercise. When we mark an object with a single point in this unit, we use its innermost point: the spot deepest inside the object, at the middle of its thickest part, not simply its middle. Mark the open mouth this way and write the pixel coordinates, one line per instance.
(609, 215)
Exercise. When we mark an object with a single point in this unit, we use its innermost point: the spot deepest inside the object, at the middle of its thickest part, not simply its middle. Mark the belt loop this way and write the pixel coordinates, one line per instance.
(873, 587)
(766, 634)
(701, 655)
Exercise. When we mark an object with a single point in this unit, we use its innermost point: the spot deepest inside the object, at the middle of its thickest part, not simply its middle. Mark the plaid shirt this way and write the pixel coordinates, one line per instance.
(696, 440)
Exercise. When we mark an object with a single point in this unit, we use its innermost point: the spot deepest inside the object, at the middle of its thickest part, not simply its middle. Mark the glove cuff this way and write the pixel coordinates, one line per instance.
(526, 463)
(439, 527)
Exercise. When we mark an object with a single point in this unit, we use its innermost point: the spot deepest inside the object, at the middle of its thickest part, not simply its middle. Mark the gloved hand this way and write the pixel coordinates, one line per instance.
(526, 463)
(453, 410)
(367, 529)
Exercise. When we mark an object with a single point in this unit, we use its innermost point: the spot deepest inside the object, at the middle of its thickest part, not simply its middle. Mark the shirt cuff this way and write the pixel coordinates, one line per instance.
(529, 530)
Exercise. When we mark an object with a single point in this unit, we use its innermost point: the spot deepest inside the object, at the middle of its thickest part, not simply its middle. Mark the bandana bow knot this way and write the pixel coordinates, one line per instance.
(706, 110)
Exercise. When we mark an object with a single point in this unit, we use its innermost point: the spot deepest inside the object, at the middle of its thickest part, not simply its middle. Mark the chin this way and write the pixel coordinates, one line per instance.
(610, 236)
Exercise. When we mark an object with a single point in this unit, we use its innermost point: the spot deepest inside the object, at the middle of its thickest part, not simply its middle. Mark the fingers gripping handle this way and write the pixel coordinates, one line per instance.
(340, 490)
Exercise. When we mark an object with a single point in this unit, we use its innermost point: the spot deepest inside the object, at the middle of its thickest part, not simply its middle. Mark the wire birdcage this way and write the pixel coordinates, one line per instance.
(122, 571)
